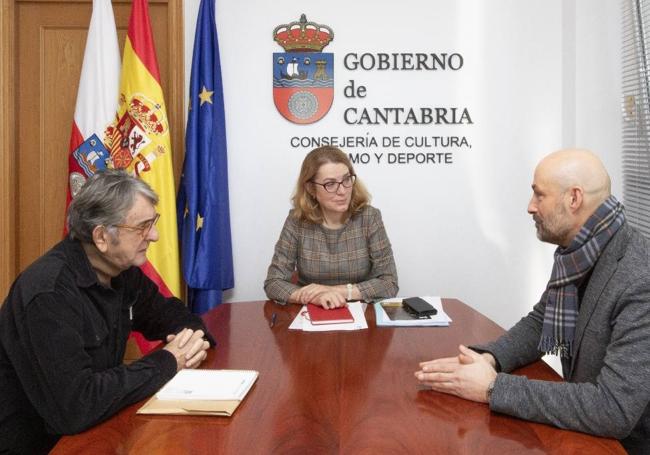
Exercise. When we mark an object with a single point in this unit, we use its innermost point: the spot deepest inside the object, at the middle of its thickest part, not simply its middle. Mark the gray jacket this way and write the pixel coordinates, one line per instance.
(608, 382)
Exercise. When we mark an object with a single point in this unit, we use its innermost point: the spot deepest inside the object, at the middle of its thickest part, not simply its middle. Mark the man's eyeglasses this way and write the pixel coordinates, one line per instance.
(142, 228)
(333, 187)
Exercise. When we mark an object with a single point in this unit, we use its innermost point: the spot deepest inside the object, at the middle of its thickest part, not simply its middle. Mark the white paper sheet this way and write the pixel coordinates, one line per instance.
(356, 308)
(208, 385)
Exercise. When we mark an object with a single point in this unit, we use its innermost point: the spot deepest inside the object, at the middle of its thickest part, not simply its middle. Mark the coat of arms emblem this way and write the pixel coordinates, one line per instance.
(128, 139)
(303, 76)
(130, 142)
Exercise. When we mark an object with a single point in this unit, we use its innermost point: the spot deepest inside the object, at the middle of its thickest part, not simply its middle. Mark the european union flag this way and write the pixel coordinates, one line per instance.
(203, 209)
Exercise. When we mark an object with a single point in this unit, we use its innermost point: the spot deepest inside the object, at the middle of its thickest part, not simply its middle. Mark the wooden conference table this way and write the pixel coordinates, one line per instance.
(337, 392)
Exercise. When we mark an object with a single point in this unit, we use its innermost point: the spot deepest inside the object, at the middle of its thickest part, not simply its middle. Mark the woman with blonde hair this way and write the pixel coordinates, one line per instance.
(333, 238)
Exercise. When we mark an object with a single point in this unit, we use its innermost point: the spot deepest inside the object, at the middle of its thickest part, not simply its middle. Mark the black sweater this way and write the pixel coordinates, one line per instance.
(62, 340)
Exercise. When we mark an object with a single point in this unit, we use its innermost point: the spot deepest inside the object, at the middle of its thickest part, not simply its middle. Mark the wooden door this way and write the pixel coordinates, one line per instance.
(42, 50)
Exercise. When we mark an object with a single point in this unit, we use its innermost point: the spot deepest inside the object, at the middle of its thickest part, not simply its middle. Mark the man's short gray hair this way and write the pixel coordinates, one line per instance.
(105, 200)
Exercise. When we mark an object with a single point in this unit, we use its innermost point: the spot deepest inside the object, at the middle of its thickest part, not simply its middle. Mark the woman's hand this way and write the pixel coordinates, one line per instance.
(308, 293)
(330, 299)
(318, 294)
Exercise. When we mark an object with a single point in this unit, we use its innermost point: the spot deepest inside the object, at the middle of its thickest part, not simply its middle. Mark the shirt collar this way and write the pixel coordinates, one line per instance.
(85, 275)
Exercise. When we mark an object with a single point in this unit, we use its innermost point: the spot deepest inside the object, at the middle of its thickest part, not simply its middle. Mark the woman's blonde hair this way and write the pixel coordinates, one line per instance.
(305, 205)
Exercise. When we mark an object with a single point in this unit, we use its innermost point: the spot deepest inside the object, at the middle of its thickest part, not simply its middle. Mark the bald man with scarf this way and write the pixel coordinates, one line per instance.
(594, 314)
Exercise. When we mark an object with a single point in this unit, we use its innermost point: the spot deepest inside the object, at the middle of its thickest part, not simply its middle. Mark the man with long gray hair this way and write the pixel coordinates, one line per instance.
(65, 322)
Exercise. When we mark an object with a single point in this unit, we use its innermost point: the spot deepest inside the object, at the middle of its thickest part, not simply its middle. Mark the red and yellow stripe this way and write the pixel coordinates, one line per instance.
(141, 78)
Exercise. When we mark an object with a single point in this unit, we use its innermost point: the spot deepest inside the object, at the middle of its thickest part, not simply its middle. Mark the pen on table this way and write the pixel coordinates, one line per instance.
(274, 316)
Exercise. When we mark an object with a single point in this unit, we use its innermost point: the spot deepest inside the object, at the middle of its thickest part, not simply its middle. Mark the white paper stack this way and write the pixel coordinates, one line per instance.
(208, 385)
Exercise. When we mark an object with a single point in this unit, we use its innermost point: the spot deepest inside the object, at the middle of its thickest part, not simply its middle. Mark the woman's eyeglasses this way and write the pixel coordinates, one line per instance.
(333, 187)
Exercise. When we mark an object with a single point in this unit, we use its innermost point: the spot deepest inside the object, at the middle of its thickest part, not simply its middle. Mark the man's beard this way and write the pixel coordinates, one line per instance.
(555, 228)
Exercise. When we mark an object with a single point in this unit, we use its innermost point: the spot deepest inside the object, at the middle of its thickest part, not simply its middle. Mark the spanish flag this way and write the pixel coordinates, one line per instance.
(139, 142)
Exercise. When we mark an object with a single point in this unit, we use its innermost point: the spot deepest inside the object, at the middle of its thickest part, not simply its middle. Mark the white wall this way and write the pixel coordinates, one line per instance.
(538, 76)
(598, 92)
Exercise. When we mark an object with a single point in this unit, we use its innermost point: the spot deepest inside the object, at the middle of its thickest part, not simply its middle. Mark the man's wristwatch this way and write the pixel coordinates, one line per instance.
(488, 392)
(349, 286)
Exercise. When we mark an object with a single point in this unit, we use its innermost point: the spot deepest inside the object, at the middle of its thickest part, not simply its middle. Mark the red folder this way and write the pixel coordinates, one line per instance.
(319, 315)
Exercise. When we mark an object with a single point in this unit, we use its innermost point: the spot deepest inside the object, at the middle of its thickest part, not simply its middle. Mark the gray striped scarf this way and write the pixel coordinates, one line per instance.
(571, 264)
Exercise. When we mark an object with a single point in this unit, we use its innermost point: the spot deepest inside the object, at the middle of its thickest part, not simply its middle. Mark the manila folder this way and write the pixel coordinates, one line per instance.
(202, 392)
